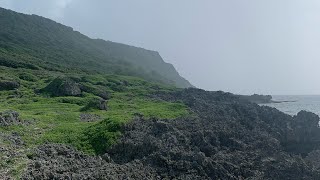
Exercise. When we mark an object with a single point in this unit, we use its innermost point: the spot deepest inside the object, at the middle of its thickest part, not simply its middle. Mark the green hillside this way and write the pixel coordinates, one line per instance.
(70, 89)
(34, 42)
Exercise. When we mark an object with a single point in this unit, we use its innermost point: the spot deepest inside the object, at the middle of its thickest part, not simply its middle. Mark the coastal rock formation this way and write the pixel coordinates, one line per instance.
(303, 135)
(229, 138)
(63, 162)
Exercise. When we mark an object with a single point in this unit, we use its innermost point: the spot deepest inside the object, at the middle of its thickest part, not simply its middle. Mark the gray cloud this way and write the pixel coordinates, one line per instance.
(246, 46)
(53, 9)
(58, 8)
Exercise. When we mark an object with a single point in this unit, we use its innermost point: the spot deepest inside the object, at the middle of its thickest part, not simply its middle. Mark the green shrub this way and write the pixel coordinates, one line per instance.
(28, 77)
(96, 90)
(95, 103)
(73, 100)
(103, 135)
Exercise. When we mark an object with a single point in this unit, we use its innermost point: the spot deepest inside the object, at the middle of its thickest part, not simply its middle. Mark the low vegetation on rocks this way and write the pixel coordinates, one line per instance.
(148, 131)
(44, 111)
(8, 118)
(227, 138)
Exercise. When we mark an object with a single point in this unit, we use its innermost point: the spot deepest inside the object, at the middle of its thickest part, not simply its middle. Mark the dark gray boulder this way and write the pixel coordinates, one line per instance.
(63, 86)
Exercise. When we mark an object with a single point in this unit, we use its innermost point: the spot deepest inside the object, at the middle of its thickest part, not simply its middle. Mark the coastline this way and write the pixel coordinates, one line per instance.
(286, 101)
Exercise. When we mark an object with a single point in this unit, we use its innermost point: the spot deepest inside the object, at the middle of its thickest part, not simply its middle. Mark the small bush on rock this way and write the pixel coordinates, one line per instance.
(103, 134)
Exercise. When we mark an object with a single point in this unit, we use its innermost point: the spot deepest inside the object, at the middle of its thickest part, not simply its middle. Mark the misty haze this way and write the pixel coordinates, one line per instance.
(170, 89)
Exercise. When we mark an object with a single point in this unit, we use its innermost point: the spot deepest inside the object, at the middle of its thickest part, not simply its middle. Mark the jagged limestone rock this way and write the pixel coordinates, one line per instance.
(63, 86)
(8, 118)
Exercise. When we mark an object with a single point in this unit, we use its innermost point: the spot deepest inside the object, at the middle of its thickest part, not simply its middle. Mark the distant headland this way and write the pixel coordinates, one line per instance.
(261, 99)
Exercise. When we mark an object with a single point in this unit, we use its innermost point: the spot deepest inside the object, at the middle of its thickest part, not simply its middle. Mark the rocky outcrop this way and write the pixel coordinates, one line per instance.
(313, 159)
(229, 138)
(63, 86)
(12, 152)
(63, 162)
(8, 118)
(303, 135)
(8, 85)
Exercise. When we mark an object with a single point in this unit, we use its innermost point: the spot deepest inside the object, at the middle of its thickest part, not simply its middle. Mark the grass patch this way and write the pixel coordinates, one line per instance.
(57, 119)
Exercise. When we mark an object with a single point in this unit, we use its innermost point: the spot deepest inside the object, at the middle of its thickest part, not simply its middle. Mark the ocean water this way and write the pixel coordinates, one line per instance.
(309, 103)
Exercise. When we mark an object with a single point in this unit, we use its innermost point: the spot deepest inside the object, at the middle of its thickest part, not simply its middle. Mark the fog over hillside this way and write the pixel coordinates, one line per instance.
(245, 47)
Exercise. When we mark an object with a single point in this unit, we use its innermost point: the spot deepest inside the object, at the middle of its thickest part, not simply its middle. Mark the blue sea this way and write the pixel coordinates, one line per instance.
(309, 103)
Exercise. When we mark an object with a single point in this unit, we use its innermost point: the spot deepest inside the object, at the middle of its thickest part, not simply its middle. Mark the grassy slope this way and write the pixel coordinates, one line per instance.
(35, 50)
(56, 119)
(35, 42)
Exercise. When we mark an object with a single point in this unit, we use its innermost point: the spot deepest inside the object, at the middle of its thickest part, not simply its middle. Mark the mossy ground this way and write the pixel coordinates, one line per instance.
(57, 119)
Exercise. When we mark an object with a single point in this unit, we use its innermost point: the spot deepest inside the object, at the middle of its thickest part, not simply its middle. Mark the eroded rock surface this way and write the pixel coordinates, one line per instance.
(12, 155)
(89, 117)
(8, 118)
(228, 139)
(63, 162)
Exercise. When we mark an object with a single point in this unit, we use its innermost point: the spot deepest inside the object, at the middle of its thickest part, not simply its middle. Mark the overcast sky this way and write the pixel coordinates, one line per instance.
(240, 46)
